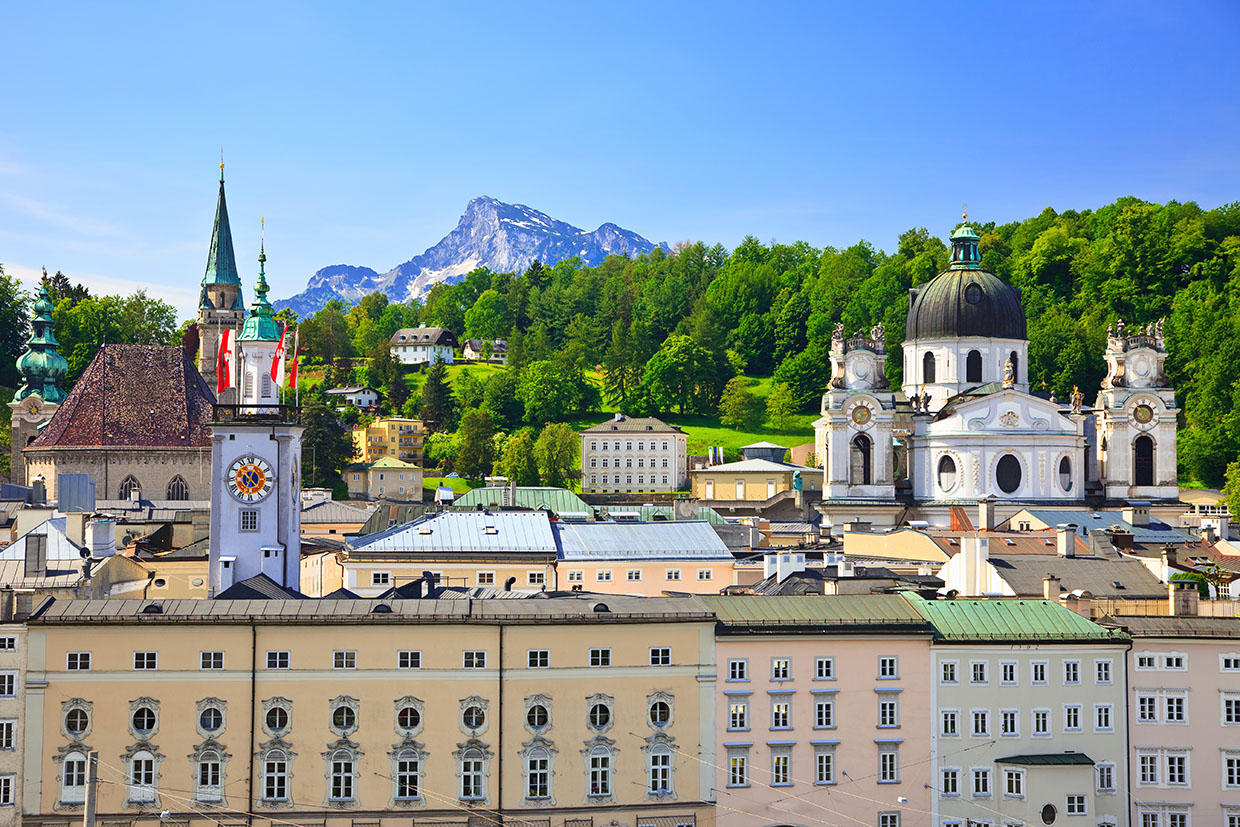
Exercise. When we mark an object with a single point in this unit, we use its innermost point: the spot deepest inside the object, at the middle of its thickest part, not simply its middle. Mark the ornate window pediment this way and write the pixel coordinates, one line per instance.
(343, 715)
(76, 719)
(537, 714)
(475, 719)
(410, 716)
(211, 718)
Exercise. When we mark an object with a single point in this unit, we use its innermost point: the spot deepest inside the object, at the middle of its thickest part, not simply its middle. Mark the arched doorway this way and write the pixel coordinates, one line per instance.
(1143, 461)
(973, 367)
(859, 467)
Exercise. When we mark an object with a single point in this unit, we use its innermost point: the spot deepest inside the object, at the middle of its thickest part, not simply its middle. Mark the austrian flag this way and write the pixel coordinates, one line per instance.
(224, 377)
(292, 374)
(277, 361)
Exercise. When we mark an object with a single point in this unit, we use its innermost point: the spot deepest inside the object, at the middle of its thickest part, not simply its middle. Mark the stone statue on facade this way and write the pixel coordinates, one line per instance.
(1009, 373)
(1077, 398)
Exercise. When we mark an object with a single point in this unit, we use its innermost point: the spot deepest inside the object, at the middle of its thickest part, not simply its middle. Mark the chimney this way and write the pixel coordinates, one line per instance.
(228, 572)
(1081, 603)
(1184, 598)
(986, 514)
(1120, 538)
(976, 551)
(1136, 513)
(1169, 559)
(1208, 535)
(1050, 587)
(273, 563)
(101, 538)
(36, 555)
(1065, 539)
(508, 584)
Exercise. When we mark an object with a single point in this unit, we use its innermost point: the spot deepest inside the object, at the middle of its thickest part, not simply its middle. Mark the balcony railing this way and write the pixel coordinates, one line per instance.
(287, 414)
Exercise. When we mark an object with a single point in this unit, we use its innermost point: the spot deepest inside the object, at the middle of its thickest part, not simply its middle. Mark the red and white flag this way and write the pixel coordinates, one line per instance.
(277, 360)
(224, 378)
(292, 373)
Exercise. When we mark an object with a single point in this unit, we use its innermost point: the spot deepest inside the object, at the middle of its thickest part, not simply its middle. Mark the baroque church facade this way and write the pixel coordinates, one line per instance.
(965, 424)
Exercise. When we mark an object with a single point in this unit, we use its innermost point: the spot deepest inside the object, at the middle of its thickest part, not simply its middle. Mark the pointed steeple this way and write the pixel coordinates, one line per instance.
(41, 367)
(221, 261)
(260, 325)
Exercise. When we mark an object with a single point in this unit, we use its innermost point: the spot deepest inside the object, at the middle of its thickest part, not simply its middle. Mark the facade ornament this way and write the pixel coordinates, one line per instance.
(1009, 419)
(838, 333)
(1077, 398)
(1009, 373)
(925, 401)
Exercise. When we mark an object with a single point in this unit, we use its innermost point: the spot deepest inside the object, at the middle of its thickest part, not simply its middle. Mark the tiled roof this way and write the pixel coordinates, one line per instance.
(815, 610)
(663, 540)
(1010, 542)
(136, 396)
(966, 621)
(1096, 575)
(633, 424)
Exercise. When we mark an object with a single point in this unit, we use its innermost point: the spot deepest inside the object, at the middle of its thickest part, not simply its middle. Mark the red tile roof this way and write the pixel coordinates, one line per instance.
(142, 396)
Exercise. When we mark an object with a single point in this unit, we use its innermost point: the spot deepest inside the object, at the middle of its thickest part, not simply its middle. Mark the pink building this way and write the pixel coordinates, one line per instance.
(822, 711)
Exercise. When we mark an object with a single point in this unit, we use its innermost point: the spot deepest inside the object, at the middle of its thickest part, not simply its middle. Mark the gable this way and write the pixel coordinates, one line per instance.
(1007, 410)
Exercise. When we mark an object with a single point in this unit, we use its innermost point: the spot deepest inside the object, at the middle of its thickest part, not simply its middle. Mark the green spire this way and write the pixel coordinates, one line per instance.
(221, 261)
(260, 325)
(41, 366)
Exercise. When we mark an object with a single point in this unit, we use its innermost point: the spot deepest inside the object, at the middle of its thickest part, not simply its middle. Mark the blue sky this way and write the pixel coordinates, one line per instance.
(361, 130)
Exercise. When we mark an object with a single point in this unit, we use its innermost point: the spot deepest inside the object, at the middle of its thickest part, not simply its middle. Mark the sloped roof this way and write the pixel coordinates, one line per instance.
(1096, 575)
(986, 620)
(465, 531)
(1049, 759)
(134, 396)
(663, 540)
(351, 389)
(557, 500)
(1155, 532)
(259, 587)
(756, 466)
(398, 513)
(59, 574)
(654, 513)
(59, 546)
(385, 462)
(330, 511)
(633, 424)
(1227, 628)
(815, 610)
(424, 336)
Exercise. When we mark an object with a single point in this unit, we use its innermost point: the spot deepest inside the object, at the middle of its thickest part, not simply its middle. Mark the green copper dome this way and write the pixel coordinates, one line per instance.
(260, 325)
(41, 366)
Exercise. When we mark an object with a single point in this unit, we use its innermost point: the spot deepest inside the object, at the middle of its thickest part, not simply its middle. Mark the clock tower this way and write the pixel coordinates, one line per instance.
(256, 464)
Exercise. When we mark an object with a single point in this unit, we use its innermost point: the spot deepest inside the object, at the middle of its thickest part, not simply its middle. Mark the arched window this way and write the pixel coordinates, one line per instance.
(73, 778)
(341, 777)
(248, 390)
(859, 469)
(275, 776)
(537, 774)
(178, 488)
(408, 775)
(472, 775)
(207, 787)
(600, 771)
(659, 771)
(1008, 474)
(1065, 474)
(266, 385)
(142, 776)
(973, 367)
(130, 489)
(927, 368)
(1015, 366)
(947, 474)
(1143, 461)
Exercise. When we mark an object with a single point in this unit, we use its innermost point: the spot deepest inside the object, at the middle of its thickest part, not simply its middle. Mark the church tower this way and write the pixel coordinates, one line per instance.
(42, 369)
(220, 305)
(1136, 417)
(256, 464)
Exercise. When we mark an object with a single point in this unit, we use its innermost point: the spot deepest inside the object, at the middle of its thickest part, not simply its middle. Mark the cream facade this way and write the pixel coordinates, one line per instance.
(12, 718)
(393, 437)
(387, 478)
(758, 485)
(633, 454)
(554, 713)
(821, 712)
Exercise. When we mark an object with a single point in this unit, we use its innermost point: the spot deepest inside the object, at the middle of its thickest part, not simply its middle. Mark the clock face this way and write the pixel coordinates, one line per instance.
(1143, 414)
(861, 414)
(250, 478)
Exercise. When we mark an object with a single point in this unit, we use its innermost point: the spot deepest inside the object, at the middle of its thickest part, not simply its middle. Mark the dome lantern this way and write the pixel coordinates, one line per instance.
(41, 366)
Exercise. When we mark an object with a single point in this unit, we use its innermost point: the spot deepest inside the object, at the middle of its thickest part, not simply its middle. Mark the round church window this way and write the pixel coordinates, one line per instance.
(1007, 474)
(973, 293)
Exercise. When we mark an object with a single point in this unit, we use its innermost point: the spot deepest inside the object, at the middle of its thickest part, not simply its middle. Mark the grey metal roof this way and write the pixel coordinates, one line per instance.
(964, 302)
(1096, 575)
(1155, 532)
(466, 531)
(578, 608)
(557, 500)
(60, 574)
(1199, 627)
(59, 546)
(756, 466)
(330, 511)
(633, 424)
(816, 610)
(671, 540)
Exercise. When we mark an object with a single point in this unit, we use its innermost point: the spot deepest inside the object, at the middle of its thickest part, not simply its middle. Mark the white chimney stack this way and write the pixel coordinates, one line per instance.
(986, 514)
(1065, 539)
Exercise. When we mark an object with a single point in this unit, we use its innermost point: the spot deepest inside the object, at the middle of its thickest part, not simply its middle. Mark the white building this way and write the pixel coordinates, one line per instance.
(965, 423)
(12, 712)
(356, 396)
(494, 349)
(423, 345)
(1028, 705)
(633, 454)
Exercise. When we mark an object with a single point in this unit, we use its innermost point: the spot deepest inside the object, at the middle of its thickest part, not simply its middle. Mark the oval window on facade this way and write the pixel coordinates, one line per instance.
(973, 293)
(947, 473)
(474, 717)
(1007, 474)
(211, 719)
(537, 717)
(408, 718)
(1065, 474)
(77, 721)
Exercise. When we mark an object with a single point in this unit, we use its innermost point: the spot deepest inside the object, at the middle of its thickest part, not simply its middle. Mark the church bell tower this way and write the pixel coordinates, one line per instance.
(220, 306)
(42, 369)
(256, 464)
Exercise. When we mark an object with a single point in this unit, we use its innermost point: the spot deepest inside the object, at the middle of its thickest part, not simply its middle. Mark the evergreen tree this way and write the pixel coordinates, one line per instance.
(326, 444)
(780, 406)
(738, 407)
(438, 403)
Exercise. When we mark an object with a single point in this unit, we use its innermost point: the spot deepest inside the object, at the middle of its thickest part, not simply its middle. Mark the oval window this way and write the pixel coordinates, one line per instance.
(660, 713)
(474, 717)
(947, 473)
(343, 718)
(143, 719)
(973, 293)
(77, 721)
(1065, 474)
(408, 718)
(1007, 474)
(600, 716)
(537, 716)
(1048, 814)
(277, 719)
(211, 719)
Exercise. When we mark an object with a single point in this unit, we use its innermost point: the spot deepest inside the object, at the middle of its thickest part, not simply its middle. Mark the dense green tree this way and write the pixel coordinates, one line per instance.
(738, 407)
(501, 399)
(684, 375)
(60, 288)
(327, 445)
(326, 335)
(474, 434)
(805, 375)
(14, 328)
(548, 392)
(438, 403)
(518, 462)
(489, 317)
(781, 406)
(557, 453)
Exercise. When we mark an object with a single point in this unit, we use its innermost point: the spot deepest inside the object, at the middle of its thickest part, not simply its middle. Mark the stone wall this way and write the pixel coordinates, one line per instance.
(153, 468)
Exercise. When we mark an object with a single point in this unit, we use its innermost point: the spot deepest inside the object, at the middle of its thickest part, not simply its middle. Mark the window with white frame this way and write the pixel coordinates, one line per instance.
(949, 783)
(599, 772)
(660, 656)
(575, 576)
(249, 519)
(473, 775)
(1146, 660)
(824, 712)
(781, 717)
(781, 669)
(408, 779)
(981, 782)
(633, 574)
(1071, 672)
(1103, 717)
(277, 660)
(384, 578)
(603, 575)
(1105, 777)
(949, 726)
(538, 658)
(73, 778)
(824, 669)
(947, 671)
(408, 659)
(1147, 768)
(888, 710)
(1037, 672)
(211, 660)
(1176, 708)
(537, 774)
(738, 714)
(781, 767)
(145, 660)
(888, 763)
(8, 728)
(275, 776)
(77, 661)
(1102, 671)
(981, 723)
(1041, 722)
(474, 659)
(1076, 805)
(207, 781)
(1007, 672)
(1175, 661)
(344, 659)
(979, 672)
(1229, 662)
(1014, 783)
(483, 578)
(824, 763)
(1177, 770)
(1009, 723)
(141, 777)
(6, 790)
(1072, 718)
(1231, 770)
(659, 771)
(671, 574)
(1147, 708)
(705, 574)
(600, 657)
(888, 667)
(738, 669)
(1231, 708)
(888, 820)
(738, 768)
(8, 643)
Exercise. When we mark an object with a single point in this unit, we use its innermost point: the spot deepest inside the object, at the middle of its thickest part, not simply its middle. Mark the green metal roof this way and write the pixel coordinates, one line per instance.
(985, 620)
(260, 325)
(815, 610)
(221, 261)
(556, 500)
(650, 513)
(1047, 759)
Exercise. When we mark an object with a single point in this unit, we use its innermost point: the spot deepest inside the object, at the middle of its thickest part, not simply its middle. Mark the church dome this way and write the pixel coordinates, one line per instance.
(964, 299)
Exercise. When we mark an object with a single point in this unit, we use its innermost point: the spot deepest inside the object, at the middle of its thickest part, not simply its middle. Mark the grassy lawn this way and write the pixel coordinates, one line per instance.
(415, 379)
(459, 485)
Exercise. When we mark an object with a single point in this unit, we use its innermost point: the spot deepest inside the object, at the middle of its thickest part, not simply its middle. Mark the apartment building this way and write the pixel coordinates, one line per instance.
(12, 719)
(1184, 718)
(630, 454)
(385, 478)
(396, 437)
(821, 712)
(1027, 721)
(423, 345)
(546, 712)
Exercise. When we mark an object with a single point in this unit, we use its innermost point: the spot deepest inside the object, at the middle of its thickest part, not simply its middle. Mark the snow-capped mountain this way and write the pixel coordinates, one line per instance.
(505, 238)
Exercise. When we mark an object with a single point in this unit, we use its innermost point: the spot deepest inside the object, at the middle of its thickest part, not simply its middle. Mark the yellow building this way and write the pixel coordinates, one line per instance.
(385, 478)
(548, 712)
(393, 437)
